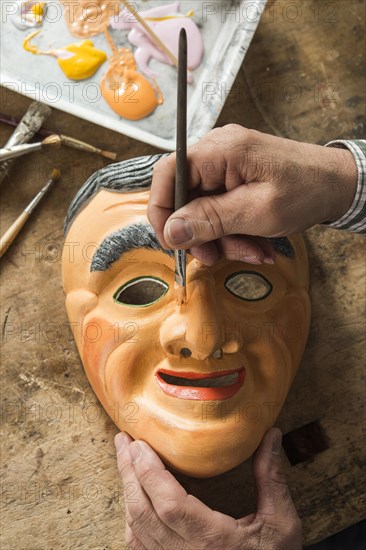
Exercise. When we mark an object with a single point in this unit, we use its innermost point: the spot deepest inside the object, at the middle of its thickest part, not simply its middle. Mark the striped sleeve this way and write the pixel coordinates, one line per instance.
(355, 218)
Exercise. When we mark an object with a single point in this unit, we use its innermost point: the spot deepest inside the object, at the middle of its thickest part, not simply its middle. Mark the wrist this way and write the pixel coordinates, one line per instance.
(340, 179)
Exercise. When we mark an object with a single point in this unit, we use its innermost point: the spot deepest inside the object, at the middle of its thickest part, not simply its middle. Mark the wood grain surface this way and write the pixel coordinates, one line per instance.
(303, 78)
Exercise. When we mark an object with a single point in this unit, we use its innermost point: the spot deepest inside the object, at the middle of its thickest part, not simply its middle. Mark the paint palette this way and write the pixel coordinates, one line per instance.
(226, 27)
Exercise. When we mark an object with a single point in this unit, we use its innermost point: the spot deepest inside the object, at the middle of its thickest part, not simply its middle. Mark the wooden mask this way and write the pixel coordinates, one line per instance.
(200, 382)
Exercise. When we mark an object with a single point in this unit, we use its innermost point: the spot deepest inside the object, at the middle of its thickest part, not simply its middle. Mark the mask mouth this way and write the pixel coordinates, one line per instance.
(201, 386)
(219, 381)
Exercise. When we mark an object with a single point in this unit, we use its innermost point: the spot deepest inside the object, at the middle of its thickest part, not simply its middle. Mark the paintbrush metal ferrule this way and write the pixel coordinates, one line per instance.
(26, 148)
(56, 174)
(180, 267)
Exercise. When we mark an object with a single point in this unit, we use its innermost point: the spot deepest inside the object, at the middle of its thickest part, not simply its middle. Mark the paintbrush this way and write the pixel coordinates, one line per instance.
(66, 140)
(181, 194)
(152, 34)
(53, 140)
(19, 150)
(28, 126)
(14, 229)
(77, 144)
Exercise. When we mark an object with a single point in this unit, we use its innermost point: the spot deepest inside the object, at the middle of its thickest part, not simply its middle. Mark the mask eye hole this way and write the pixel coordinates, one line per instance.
(141, 292)
(248, 285)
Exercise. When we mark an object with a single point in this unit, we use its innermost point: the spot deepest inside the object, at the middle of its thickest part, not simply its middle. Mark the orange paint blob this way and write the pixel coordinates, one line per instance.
(126, 91)
(85, 18)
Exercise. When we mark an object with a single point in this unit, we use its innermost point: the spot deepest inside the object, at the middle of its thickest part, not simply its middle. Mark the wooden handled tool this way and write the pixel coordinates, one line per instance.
(14, 229)
(150, 32)
(181, 194)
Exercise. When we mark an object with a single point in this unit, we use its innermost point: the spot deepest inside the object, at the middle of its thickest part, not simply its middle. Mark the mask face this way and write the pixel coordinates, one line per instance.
(200, 382)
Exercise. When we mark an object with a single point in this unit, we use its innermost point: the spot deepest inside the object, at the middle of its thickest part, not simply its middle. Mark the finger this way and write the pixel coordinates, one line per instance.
(213, 166)
(161, 200)
(140, 515)
(132, 541)
(204, 174)
(245, 210)
(207, 253)
(183, 513)
(274, 497)
(252, 250)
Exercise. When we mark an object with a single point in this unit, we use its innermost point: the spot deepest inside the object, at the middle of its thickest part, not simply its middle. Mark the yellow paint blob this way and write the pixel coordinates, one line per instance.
(126, 91)
(30, 47)
(82, 61)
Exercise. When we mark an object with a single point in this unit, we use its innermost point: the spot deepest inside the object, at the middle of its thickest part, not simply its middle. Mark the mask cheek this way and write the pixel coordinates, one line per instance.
(295, 323)
(78, 304)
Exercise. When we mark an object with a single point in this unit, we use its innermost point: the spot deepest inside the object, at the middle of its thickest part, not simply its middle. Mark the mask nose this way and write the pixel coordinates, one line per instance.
(196, 329)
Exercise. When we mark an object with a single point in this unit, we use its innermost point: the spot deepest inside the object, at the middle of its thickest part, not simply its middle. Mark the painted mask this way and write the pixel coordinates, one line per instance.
(200, 382)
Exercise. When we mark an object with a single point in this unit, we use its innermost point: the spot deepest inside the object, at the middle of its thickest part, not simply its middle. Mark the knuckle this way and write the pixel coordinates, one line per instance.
(170, 511)
(230, 134)
(233, 128)
(278, 476)
(162, 163)
(210, 214)
(139, 517)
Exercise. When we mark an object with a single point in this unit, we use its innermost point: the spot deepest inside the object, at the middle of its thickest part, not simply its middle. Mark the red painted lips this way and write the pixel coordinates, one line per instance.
(212, 386)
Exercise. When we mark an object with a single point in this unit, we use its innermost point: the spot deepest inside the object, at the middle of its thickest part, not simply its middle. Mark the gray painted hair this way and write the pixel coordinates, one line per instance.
(136, 175)
(123, 177)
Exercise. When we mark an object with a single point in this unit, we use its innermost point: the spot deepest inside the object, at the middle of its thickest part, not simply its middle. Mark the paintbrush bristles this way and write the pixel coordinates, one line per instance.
(56, 174)
(108, 155)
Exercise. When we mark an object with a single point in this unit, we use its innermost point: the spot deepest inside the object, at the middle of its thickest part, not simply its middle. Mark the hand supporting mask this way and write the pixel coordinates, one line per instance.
(200, 382)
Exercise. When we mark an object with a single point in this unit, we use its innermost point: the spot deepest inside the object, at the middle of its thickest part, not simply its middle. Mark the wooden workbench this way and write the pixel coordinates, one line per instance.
(303, 78)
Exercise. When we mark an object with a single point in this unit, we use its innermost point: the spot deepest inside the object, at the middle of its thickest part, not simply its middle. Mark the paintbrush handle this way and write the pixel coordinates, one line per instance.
(181, 191)
(14, 229)
(12, 232)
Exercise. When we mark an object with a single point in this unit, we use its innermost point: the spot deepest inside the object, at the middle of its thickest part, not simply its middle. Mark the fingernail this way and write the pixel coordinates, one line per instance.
(179, 231)
(120, 441)
(253, 260)
(135, 452)
(268, 260)
(276, 444)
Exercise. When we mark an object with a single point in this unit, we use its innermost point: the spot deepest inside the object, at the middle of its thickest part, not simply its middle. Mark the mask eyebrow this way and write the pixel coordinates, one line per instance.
(131, 237)
(282, 246)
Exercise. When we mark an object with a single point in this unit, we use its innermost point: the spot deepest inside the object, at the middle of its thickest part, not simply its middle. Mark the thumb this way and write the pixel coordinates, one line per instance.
(206, 219)
(274, 497)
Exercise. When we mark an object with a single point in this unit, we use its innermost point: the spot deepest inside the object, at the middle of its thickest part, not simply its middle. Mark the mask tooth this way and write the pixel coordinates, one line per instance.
(215, 382)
